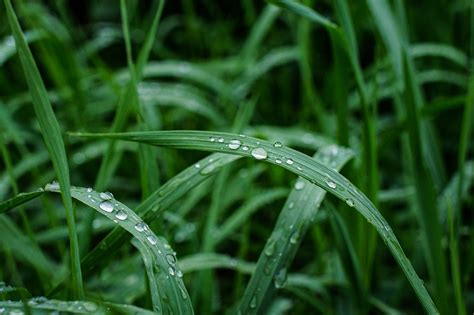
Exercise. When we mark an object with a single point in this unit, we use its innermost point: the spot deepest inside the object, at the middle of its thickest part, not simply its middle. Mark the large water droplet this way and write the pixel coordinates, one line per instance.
(331, 184)
(54, 185)
(221, 139)
(299, 184)
(259, 153)
(350, 202)
(90, 306)
(152, 239)
(234, 144)
(170, 259)
(280, 278)
(106, 195)
(171, 270)
(253, 302)
(141, 226)
(270, 248)
(89, 189)
(295, 237)
(277, 144)
(107, 206)
(121, 215)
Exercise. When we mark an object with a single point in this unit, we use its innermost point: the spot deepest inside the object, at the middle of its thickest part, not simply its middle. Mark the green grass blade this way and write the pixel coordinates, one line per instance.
(19, 199)
(297, 163)
(52, 138)
(292, 224)
(303, 10)
(174, 297)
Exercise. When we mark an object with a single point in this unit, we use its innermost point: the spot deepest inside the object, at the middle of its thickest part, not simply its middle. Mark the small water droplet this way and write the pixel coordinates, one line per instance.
(259, 153)
(107, 206)
(90, 306)
(89, 189)
(277, 144)
(121, 215)
(350, 202)
(54, 185)
(280, 278)
(245, 148)
(141, 227)
(234, 144)
(197, 165)
(331, 184)
(295, 237)
(289, 161)
(170, 259)
(179, 273)
(291, 205)
(221, 139)
(278, 161)
(167, 246)
(299, 184)
(299, 168)
(152, 239)
(106, 195)
(212, 139)
(253, 302)
(270, 248)
(171, 270)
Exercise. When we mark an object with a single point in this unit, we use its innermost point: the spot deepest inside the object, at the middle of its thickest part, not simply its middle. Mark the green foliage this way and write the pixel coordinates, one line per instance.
(129, 97)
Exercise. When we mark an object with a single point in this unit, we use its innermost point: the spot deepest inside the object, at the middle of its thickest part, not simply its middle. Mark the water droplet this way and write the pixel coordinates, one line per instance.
(253, 302)
(295, 237)
(221, 139)
(245, 148)
(167, 246)
(121, 215)
(179, 273)
(209, 169)
(171, 271)
(259, 153)
(350, 202)
(89, 189)
(54, 185)
(280, 278)
(331, 184)
(106, 195)
(197, 165)
(152, 239)
(289, 161)
(212, 139)
(299, 168)
(170, 259)
(277, 144)
(270, 248)
(299, 184)
(291, 205)
(141, 226)
(278, 161)
(107, 206)
(234, 144)
(89, 306)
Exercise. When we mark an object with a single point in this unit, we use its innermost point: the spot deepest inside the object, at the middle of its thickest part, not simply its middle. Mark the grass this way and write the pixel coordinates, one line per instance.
(256, 153)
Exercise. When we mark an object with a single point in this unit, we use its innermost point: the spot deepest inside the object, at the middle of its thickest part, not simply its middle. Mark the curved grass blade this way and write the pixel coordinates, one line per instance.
(303, 10)
(42, 305)
(167, 195)
(173, 295)
(439, 50)
(19, 199)
(52, 137)
(297, 163)
(293, 222)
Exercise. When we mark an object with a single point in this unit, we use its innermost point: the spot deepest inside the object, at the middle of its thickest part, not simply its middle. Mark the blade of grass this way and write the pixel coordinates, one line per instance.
(293, 222)
(52, 137)
(174, 297)
(297, 163)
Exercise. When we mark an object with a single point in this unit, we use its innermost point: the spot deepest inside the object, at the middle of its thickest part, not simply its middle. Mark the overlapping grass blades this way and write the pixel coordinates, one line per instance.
(52, 138)
(297, 163)
(296, 217)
